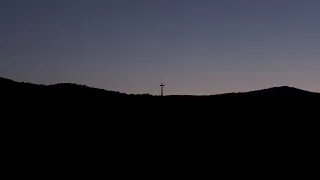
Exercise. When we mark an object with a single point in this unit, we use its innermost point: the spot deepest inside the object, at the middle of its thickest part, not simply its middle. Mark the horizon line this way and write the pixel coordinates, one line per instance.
(235, 92)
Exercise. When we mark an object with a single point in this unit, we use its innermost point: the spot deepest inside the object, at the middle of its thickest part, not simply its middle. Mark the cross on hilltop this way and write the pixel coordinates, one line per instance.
(162, 85)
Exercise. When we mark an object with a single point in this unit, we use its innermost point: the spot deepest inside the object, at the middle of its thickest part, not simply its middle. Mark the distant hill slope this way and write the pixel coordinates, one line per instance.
(10, 87)
(282, 91)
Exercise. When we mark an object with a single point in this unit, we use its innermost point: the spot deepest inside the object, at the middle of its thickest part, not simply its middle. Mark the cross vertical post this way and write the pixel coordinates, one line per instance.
(162, 85)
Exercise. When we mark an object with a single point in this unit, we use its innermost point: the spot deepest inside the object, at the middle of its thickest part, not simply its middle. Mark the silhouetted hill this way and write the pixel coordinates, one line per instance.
(235, 123)
(282, 91)
(13, 88)
(75, 99)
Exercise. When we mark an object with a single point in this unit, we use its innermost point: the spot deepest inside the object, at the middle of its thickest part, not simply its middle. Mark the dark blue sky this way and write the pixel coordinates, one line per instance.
(193, 46)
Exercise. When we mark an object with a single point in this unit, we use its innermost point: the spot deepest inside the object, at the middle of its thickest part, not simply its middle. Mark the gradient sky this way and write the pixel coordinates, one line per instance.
(193, 46)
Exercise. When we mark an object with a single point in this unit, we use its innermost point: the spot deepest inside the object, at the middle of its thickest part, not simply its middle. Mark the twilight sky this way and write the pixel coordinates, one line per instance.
(192, 46)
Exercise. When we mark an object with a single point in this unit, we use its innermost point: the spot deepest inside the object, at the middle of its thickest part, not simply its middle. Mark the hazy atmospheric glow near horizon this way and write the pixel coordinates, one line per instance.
(192, 46)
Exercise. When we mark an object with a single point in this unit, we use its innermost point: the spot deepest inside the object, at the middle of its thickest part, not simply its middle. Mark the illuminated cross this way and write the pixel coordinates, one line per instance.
(162, 85)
